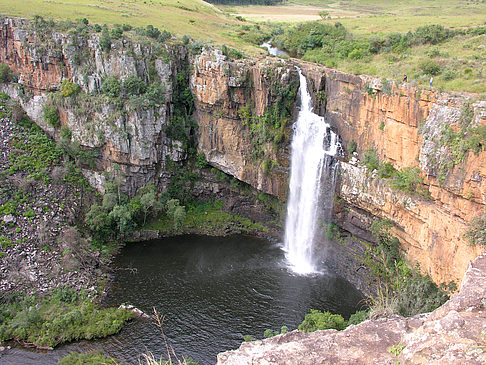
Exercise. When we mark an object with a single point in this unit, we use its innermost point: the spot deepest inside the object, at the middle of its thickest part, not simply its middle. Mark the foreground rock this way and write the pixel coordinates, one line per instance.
(452, 334)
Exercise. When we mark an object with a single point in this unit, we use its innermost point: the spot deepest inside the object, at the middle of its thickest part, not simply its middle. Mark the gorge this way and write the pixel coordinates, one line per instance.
(242, 112)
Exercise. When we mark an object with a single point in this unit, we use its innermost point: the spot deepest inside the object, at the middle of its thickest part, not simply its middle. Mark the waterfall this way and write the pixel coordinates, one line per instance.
(312, 148)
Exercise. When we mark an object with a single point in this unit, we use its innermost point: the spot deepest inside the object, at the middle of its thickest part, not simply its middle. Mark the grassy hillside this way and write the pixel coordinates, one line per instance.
(193, 17)
(371, 16)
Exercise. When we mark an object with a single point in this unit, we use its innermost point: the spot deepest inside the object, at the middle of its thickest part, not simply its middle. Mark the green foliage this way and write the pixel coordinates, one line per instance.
(476, 233)
(176, 212)
(430, 67)
(271, 333)
(105, 39)
(152, 32)
(65, 134)
(407, 292)
(62, 317)
(201, 161)
(51, 116)
(89, 358)
(134, 85)
(358, 317)
(69, 88)
(35, 152)
(116, 33)
(317, 320)
(408, 180)
(371, 160)
(231, 53)
(111, 86)
(352, 147)
(6, 74)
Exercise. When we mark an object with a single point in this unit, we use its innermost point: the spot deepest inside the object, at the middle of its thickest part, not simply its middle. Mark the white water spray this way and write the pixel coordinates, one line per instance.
(312, 141)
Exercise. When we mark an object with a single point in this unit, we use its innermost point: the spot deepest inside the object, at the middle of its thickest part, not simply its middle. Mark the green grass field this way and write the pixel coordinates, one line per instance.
(193, 17)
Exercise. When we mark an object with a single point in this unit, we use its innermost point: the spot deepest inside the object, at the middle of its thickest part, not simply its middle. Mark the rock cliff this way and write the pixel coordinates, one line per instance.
(242, 111)
(405, 125)
(452, 334)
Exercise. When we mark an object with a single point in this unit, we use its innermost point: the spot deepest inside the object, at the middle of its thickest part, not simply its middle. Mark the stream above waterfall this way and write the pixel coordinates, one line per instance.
(212, 291)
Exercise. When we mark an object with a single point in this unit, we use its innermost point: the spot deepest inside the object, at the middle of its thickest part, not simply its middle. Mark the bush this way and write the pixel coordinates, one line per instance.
(65, 133)
(89, 358)
(201, 161)
(62, 317)
(476, 233)
(164, 35)
(134, 85)
(6, 74)
(358, 317)
(429, 67)
(231, 53)
(152, 32)
(371, 160)
(51, 115)
(317, 320)
(352, 147)
(105, 39)
(69, 88)
(111, 86)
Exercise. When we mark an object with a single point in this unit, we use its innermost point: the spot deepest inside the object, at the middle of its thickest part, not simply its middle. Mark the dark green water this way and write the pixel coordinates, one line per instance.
(211, 292)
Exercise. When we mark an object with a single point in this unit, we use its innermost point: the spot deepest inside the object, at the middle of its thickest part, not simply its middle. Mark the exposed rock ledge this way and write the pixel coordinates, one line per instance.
(452, 334)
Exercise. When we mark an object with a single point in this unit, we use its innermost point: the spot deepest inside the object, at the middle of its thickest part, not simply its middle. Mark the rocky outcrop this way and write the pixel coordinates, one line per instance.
(222, 89)
(452, 334)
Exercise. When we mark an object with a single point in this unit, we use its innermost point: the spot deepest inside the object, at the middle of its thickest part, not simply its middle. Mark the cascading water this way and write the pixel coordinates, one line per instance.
(313, 146)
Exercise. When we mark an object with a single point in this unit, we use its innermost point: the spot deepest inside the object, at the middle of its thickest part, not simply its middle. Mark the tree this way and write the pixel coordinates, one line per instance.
(176, 212)
(123, 218)
(149, 203)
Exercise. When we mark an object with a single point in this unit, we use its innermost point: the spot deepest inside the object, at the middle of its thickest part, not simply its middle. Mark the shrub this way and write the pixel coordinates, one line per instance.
(164, 35)
(371, 160)
(105, 39)
(152, 32)
(358, 317)
(231, 53)
(51, 115)
(317, 320)
(111, 86)
(134, 85)
(65, 133)
(429, 67)
(88, 358)
(352, 147)
(6, 74)
(476, 233)
(116, 33)
(201, 161)
(69, 88)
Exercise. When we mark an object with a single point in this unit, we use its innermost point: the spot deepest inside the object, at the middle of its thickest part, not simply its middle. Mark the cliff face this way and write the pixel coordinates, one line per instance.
(405, 125)
(243, 110)
(223, 91)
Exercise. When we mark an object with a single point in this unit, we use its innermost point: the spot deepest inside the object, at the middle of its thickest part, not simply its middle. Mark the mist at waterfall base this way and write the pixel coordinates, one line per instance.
(312, 181)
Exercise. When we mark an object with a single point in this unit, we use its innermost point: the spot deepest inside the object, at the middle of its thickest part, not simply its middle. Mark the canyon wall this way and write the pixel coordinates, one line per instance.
(243, 127)
(404, 125)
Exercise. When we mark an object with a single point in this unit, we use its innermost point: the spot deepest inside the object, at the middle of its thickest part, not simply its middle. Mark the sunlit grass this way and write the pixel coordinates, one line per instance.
(193, 17)
(462, 61)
